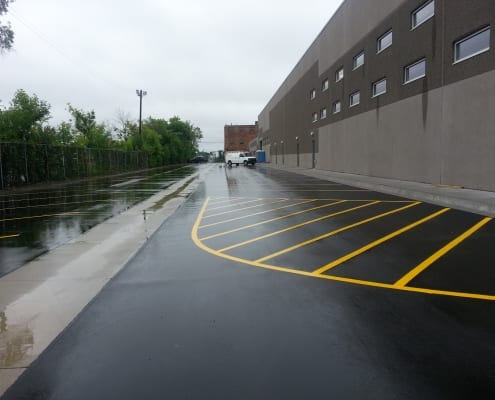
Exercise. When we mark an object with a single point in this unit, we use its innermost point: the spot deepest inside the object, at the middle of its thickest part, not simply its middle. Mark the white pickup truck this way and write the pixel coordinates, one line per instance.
(238, 157)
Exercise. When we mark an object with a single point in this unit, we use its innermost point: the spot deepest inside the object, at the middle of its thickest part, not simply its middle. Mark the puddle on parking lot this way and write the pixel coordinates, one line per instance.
(35, 221)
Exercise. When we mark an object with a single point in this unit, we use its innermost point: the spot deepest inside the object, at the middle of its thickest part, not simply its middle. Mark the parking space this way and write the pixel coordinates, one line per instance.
(356, 236)
(35, 221)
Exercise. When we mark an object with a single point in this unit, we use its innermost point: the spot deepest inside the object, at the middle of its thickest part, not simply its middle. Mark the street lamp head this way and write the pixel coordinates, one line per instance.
(145, 92)
(137, 92)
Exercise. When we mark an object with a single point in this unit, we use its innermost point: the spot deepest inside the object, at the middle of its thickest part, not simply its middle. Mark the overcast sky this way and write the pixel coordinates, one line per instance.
(211, 62)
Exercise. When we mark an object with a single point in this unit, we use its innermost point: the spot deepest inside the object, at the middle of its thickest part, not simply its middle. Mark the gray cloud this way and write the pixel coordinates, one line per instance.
(212, 62)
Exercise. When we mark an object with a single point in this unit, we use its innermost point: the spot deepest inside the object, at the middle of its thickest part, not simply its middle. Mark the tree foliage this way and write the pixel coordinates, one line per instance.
(6, 32)
(171, 141)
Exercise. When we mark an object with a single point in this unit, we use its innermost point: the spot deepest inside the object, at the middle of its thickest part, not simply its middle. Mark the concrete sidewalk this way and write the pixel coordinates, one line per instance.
(40, 299)
(476, 201)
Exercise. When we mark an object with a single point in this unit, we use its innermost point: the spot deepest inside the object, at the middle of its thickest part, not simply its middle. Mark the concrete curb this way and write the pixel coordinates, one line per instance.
(40, 299)
(476, 201)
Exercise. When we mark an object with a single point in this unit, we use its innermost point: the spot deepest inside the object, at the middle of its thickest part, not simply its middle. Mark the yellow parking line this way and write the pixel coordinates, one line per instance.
(327, 235)
(45, 216)
(237, 204)
(58, 204)
(435, 256)
(290, 228)
(242, 228)
(27, 199)
(245, 208)
(199, 244)
(258, 213)
(226, 200)
(10, 236)
(319, 190)
(371, 245)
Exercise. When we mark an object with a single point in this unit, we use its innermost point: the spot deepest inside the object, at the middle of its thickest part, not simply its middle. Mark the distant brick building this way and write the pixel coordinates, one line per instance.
(237, 137)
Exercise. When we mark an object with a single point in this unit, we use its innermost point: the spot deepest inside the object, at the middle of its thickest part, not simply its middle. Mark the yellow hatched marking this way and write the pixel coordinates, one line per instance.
(226, 200)
(235, 204)
(440, 253)
(371, 245)
(199, 244)
(245, 208)
(335, 232)
(243, 228)
(10, 236)
(258, 213)
(290, 228)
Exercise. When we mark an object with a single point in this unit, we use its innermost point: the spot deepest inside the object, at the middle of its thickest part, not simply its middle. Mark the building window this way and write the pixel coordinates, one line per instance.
(384, 41)
(324, 85)
(415, 71)
(323, 113)
(315, 116)
(358, 60)
(312, 94)
(379, 87)
(339, 74)
(472, 45)
(423, 13)
(354, 99)
(336, 107)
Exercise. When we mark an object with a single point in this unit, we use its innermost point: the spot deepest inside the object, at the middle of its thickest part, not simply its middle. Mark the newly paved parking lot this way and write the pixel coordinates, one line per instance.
(336, 232)
(271, 285)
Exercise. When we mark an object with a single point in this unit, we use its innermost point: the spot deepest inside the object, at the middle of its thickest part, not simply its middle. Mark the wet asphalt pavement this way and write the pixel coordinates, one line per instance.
(33, 222)
(271, 285)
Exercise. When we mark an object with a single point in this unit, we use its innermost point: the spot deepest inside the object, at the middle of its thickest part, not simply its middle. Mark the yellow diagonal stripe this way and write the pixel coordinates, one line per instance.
(290, 228)
(444, 250)
(255, 214)
(10, 236)
(327, 235)
(369, 246)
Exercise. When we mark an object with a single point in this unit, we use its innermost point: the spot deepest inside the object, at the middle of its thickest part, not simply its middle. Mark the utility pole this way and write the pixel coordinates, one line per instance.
(140, 93)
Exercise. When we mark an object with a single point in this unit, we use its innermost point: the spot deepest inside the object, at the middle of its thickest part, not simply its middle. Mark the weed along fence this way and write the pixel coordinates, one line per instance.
(25, 164)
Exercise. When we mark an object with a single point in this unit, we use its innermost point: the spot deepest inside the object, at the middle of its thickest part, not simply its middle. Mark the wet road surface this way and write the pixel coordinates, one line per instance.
(36, 221)
(270, 285)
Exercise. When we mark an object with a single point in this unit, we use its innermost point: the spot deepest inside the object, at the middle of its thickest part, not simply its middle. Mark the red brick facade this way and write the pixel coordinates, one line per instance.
(237, 137)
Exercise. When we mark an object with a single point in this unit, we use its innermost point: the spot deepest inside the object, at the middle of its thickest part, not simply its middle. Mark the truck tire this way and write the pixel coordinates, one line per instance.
(229, 164)
(245, 163)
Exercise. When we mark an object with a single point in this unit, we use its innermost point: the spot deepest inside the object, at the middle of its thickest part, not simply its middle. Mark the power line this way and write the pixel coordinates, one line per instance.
(79, 64)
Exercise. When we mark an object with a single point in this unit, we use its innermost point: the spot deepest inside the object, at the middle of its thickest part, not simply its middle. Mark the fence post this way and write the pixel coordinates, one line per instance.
(26, 162)
(1, 168)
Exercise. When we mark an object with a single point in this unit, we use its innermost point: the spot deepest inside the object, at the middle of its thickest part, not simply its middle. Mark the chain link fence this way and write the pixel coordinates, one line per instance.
(25, 164)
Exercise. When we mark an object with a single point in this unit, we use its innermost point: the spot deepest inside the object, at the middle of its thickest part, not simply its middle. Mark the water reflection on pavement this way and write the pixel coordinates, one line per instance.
(33, 222)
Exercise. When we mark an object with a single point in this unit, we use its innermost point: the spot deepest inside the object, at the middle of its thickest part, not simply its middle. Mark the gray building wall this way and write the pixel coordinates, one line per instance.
(438, 129)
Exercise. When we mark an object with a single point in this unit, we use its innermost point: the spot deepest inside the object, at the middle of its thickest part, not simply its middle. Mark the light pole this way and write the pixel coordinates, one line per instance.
(140, 93)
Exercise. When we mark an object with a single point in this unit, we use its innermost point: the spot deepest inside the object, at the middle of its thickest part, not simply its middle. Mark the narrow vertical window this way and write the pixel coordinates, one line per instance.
(354, 99)
(315, 116)
(358, 60)
(423, 13)
(379, 87)
(339, 74)
(312, 94)
(384, 41)
(323, 113)
(324, 85)
(336, 107)
(415, 71)
(472, 45)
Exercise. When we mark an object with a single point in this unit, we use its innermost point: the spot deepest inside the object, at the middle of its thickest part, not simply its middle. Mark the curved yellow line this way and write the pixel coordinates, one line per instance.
(199, 243)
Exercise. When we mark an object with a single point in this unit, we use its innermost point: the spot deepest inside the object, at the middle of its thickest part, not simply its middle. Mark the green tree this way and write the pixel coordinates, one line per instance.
(6, 32)
(88, 132)
(25, 115)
